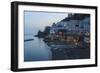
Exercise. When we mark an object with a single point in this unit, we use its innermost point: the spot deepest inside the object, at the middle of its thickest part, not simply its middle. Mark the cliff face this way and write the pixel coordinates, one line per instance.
(75, 24)
(76, 17)
(43, 34)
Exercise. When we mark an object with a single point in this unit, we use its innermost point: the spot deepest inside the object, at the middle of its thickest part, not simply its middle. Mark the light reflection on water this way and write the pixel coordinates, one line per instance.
(36, 50)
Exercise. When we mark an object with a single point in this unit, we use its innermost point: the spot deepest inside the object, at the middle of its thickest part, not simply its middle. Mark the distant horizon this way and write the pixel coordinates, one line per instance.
(36, 20)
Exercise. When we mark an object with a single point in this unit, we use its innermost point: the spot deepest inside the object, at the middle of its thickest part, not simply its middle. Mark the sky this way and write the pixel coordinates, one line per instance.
(35, 21)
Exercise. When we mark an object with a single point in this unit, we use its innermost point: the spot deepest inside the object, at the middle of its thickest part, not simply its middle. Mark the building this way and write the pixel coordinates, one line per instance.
(73, 25)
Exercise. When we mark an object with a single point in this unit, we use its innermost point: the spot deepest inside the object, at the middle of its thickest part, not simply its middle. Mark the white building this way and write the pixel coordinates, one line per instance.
(74, 24)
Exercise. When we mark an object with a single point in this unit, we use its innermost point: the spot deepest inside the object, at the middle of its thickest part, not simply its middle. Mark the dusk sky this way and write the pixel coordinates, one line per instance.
(35, 21)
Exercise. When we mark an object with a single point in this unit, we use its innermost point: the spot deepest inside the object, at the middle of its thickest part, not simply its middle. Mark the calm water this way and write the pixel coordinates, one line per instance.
(36, 50)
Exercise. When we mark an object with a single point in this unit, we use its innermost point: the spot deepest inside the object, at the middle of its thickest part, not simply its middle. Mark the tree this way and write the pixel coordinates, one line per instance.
(47, 30)
(40, 34)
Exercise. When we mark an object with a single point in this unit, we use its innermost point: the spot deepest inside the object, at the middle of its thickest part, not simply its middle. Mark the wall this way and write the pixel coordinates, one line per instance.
(5, 35)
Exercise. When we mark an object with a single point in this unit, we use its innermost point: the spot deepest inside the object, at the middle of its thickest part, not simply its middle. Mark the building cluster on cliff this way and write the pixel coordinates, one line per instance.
(73, 24)
(75, 27)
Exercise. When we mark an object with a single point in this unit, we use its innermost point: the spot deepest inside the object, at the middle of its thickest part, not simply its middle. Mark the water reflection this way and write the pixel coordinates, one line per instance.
(38, 50)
